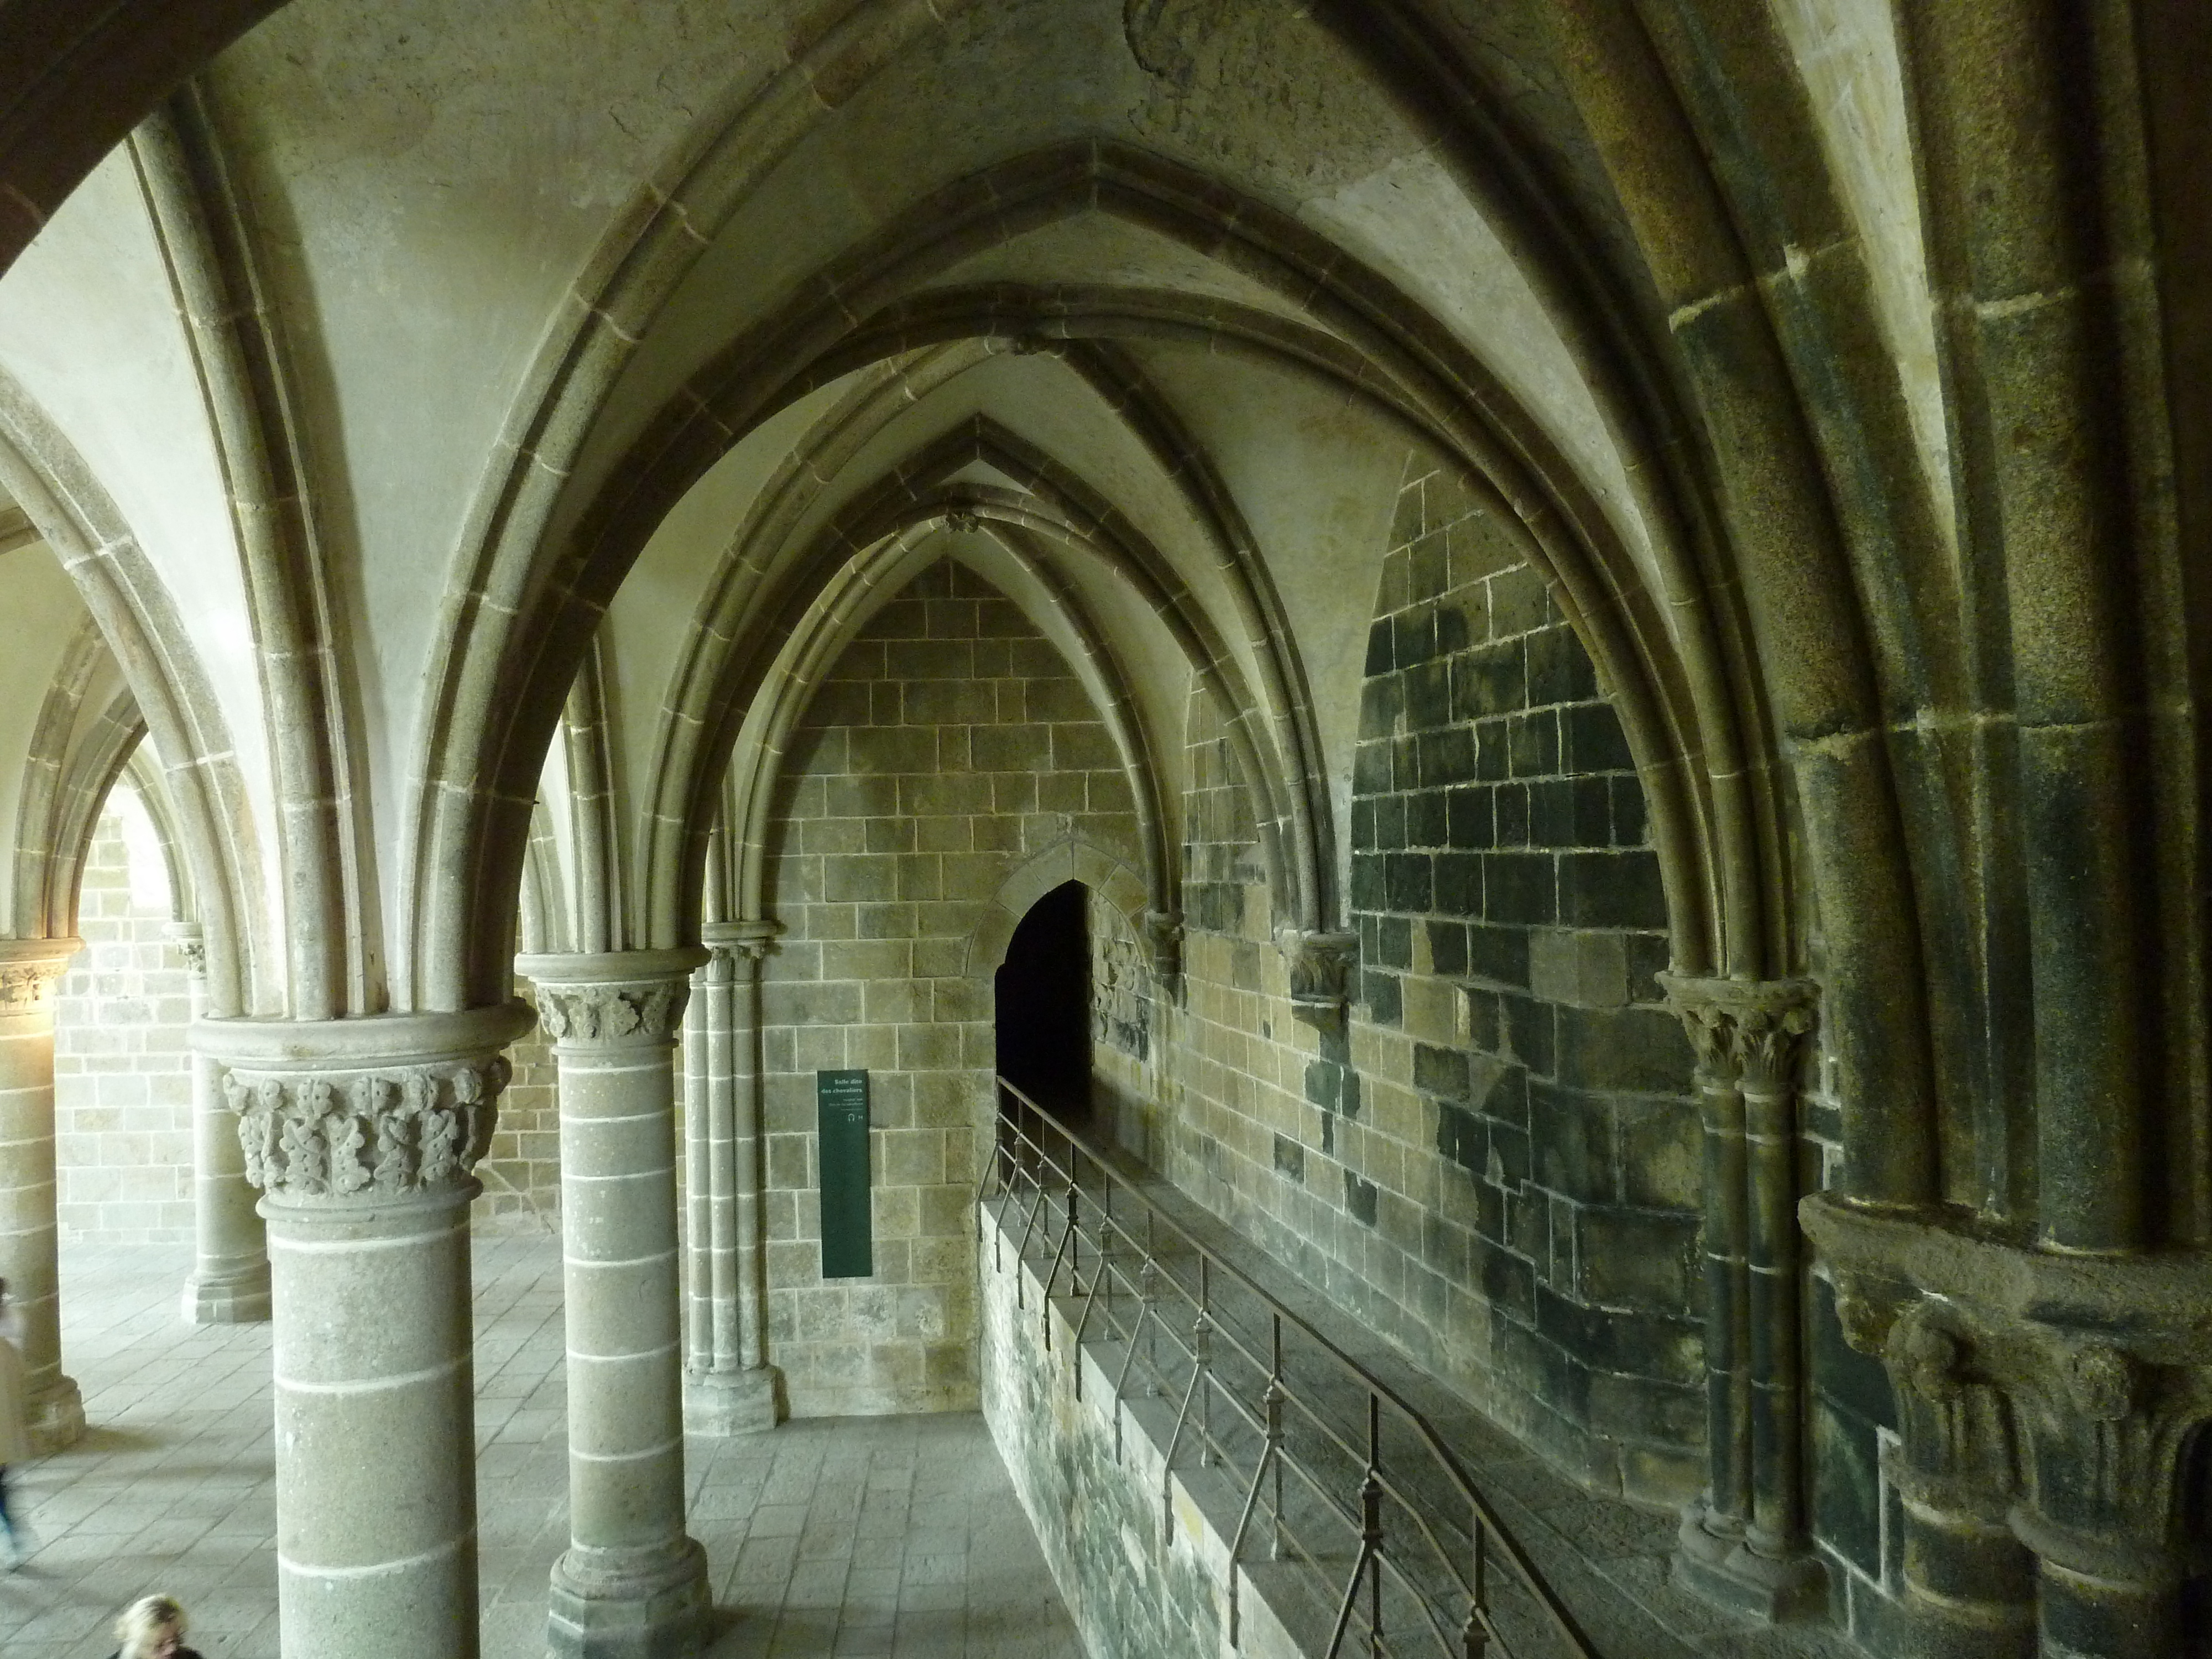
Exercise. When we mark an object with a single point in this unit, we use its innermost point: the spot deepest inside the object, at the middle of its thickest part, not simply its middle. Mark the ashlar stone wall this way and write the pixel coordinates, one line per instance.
(1494, 1165)
(950, 745)
(521, 1170)
(123, 1083)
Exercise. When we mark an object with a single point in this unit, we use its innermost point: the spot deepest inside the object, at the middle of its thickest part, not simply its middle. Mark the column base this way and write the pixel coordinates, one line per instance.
(227, 1299)
(55, 1419)
(724, 1403)
(629, 1604)
(1723, 1567)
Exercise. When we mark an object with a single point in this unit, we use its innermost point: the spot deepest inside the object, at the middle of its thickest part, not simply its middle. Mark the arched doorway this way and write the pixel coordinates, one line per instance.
(1043, 1002)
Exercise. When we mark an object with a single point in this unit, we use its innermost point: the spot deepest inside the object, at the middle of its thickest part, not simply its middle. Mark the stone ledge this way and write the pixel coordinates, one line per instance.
(1174, 1527)
(2158, 1305)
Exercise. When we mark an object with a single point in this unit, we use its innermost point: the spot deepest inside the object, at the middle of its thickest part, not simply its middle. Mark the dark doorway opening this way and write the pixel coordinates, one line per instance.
(1044, 1005)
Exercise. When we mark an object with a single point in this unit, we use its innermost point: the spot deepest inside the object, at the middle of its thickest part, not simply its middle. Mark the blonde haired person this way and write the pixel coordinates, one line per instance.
(152, 1627)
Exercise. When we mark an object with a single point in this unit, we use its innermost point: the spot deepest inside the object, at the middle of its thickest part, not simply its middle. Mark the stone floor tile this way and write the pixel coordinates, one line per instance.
(882, 1536)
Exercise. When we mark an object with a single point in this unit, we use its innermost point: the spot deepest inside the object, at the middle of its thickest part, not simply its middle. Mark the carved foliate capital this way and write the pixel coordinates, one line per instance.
(382, 1133)
(369, 1109)
(1746, 1033)
(191, 940)
(1321, 967)
(612, 1014)
(2076, 1384)
(1925, 1356)
(614, 996)
(742, 945)
(26, 986)
(29, 970)
(1163, 946)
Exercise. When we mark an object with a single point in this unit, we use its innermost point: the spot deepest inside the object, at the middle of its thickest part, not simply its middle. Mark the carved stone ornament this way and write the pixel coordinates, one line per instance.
(609, 1013)
(1924, 1357)
(1321, 967)
(25, 980)
(377, 1134)
(1750, 1032)
(1163, 946)
(2103, 1381)
(614, 996)
(23, 986)
(752, 940)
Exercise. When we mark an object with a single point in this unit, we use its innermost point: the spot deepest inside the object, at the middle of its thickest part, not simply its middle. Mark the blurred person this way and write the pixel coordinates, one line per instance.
(14, 1430)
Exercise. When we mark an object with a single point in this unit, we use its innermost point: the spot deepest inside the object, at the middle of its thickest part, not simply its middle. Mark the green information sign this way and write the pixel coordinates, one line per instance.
(848, 1245)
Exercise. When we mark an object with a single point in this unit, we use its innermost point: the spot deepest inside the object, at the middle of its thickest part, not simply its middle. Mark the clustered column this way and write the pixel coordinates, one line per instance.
(362, 1135)
(1969, 1582)
(2048, 1408)
(729, 1387)
(229, 1283)
(632, 1584)
(1745, 1543)
(29, 970)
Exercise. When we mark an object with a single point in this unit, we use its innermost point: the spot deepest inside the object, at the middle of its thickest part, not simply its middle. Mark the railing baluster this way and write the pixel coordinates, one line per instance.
(1201, 1336)
(1422, 1558)
(1474, 1640)
(1202, 1341)
(1273, 1400)
(1370, 1527)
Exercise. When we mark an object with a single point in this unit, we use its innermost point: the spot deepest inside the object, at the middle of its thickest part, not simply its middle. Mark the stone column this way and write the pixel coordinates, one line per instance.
(30, 968)
(363, 1133)
(2105, 1437)
(229, 1282)
(729, 1387)
(632, 1584)
(1969, 1582)
(1745, 1543)
(2047, 1404)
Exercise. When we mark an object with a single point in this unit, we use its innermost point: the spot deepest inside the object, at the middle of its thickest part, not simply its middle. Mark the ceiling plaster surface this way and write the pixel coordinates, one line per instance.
(1103, 250)
(89, 327)
(1462, 274)
(650, 628)
(1269, 103)
(1316, 475)
(431, 181)
(1042, 401)
(1001, 79)
(1036, 397)
(1266, 101)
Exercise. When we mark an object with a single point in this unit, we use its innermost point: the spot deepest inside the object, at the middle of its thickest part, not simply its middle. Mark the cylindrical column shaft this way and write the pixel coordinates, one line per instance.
(1727, 1311)
(736, 1390)
(722, 1165)
(749, 1157)
(1969, 1582)
(229, 1282)
(1777, 1519)
(376, 1554)
(29, 1227)
(632, 1584)
(698, 1244)
(1745, 1544)
(2093, 1614)
(363, 1133)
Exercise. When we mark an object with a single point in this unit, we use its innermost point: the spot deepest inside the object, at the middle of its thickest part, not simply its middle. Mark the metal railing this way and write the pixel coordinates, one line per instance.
(1364, 1527)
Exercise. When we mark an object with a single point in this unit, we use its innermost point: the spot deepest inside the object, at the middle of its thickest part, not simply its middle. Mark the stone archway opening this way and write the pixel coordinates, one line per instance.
(1043, 993)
